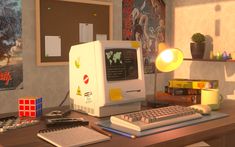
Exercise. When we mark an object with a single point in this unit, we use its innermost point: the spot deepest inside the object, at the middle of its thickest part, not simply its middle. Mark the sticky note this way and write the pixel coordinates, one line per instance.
(115, 94)
(135, 44)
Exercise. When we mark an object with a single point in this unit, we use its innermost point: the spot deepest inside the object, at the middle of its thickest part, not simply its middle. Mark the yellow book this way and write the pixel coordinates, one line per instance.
(193, 83)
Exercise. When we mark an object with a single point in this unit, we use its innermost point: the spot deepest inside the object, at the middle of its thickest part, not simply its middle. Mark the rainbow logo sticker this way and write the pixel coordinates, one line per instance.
(77, 63)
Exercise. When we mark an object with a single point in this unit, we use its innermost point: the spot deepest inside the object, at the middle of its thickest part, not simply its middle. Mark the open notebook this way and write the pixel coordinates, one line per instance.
(74, 136)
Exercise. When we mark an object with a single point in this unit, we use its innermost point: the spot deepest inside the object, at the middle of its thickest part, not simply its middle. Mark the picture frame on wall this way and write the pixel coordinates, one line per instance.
(144, 21)
(11, 60)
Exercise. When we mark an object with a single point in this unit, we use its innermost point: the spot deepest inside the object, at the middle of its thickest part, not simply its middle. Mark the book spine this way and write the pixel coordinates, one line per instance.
(185, 100)
(182, 91)
(193, 84)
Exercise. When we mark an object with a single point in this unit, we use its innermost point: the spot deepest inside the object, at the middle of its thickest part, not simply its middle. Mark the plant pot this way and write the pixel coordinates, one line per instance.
(197, 50)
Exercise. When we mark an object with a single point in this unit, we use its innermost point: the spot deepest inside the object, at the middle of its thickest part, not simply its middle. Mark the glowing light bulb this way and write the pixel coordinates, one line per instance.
(167, 56)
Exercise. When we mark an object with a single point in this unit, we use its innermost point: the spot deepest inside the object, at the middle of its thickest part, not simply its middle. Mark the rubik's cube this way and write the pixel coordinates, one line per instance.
(30, 106)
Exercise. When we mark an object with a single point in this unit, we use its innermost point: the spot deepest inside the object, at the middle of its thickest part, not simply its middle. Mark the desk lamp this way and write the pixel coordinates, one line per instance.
(168, 59)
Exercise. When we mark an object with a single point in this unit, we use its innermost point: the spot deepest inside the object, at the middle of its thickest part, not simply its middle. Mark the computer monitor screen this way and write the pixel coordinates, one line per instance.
(106, 74)
(121, 64)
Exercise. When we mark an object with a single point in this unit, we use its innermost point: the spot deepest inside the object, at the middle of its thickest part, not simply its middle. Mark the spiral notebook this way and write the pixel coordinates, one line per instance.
(74, 136)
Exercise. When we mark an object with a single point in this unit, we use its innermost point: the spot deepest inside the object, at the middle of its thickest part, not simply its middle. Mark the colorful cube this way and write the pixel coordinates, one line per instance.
(30, 106)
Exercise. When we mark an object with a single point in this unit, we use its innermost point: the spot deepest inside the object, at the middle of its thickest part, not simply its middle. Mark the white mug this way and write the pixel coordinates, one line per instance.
(212, 98)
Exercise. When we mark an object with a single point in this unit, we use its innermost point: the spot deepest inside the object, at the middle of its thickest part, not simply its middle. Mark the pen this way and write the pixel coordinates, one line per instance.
(100, 130)
(119, 132)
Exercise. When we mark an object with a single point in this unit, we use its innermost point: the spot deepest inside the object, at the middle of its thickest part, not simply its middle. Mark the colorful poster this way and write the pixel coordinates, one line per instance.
(144, 21)
(11, 68)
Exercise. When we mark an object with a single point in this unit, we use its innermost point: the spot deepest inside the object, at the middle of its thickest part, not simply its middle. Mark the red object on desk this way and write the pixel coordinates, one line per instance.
(184, 100)
(30, 106)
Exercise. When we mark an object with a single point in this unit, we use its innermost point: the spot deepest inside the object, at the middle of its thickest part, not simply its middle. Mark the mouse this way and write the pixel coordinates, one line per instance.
(202, 109)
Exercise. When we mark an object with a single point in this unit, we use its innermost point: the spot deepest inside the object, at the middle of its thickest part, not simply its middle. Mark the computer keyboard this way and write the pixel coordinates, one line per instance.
(155, 117)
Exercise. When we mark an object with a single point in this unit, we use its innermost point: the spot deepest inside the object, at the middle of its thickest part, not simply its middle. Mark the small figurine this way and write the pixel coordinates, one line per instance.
(218, 56)
(224, 55)
(229, 56)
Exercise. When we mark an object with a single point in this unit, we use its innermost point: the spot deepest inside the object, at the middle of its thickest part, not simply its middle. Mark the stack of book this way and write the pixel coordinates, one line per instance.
(185, 91)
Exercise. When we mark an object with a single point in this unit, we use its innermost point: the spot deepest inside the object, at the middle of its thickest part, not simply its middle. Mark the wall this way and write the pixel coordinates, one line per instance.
(190, 16)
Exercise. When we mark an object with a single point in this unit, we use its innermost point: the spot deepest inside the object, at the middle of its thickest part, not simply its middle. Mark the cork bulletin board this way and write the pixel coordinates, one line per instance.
(63, 23)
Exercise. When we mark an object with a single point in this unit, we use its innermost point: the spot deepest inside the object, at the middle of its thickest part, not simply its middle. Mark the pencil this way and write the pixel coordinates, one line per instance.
(119, 132)
(100, 130)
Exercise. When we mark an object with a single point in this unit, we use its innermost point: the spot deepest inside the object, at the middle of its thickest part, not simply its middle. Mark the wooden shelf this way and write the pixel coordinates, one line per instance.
(208, 60)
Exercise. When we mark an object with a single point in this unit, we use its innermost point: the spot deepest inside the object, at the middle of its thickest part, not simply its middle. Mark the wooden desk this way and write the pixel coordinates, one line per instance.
(220, 132)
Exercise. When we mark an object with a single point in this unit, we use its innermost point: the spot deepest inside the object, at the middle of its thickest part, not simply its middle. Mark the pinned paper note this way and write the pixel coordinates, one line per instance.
(85, 32)
(101, 37)
(52, 46)
(115, 94)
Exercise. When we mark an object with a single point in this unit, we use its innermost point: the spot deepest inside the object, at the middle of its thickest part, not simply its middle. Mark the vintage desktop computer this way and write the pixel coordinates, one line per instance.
(106, 77)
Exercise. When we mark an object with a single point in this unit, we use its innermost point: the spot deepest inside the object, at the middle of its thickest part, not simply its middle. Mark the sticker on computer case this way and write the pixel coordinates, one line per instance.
(77, 63)
(79, 91)
(88, 97)
(115, 94)
(85, 79)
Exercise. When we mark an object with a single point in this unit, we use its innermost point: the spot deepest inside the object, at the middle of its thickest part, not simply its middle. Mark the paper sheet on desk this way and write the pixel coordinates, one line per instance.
(212, 116)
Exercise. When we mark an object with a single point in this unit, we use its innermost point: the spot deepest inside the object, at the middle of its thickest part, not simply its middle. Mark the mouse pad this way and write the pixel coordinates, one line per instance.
(212, 116)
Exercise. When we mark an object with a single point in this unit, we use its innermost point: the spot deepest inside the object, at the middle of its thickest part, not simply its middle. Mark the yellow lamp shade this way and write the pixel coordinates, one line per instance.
(169, 59)
(162, 46)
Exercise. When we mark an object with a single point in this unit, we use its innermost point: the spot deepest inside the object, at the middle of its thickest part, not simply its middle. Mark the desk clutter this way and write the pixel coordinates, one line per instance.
(193, 83)
(72, 136)
(185, 92)
(13, 122)
(61, 130)
(61, 122)
(155, 118)
(87, 133)
(65, 131)
(30, 106)
(131, 133)
(29, 110)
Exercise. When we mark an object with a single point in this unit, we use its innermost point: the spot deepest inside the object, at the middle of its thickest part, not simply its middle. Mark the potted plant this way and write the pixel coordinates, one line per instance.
(197, 47)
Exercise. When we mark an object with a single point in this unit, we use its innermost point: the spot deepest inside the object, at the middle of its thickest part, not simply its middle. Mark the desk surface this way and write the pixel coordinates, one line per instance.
(178, 137)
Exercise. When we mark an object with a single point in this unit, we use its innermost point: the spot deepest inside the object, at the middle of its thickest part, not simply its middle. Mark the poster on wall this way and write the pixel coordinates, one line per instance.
(11, 66)
(144, 21)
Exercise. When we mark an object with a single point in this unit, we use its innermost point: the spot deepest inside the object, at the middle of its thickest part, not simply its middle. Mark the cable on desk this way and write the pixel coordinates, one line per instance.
(64, 99)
